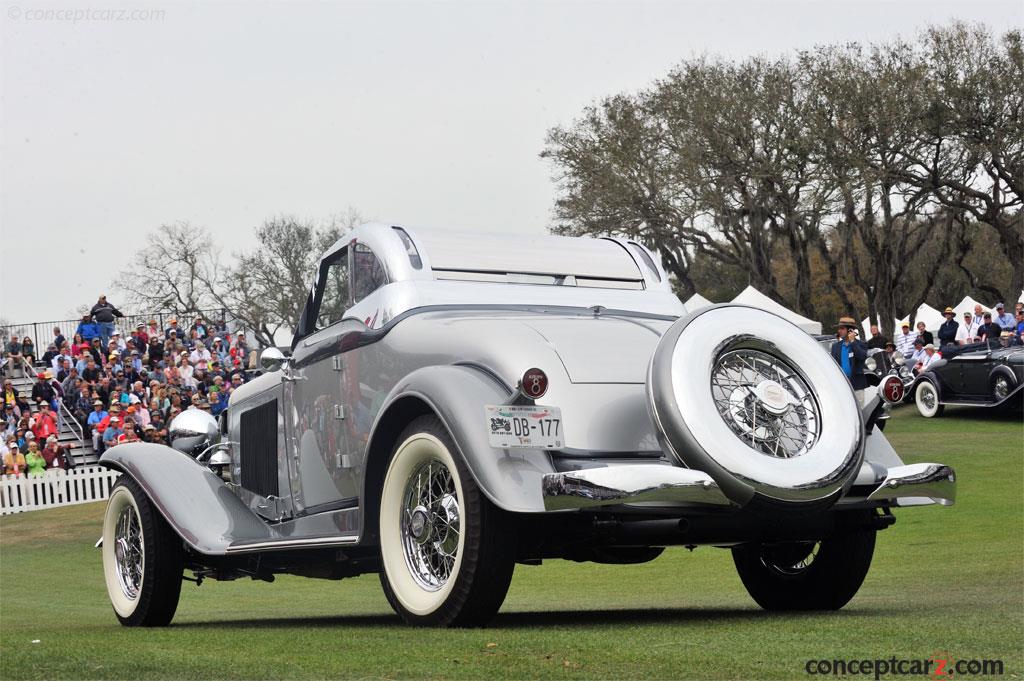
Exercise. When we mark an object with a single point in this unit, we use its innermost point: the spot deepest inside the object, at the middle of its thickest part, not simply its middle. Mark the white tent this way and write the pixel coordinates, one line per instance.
(931, 317)
(754, 298)
(696, 302)
(1021, 299)
(967, 305)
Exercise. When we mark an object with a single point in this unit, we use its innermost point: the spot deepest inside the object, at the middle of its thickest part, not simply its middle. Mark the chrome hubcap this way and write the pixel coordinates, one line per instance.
(765, 402)
(928, 397)
(431, 525)
(128, 552)
(1002, 388)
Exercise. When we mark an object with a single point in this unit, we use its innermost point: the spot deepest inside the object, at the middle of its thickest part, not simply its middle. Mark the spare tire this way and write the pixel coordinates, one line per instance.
(752, 400)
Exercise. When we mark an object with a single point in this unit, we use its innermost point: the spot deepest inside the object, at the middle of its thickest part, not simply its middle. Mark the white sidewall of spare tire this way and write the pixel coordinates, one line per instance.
(817, 473)
(416, 450)
(119, 499)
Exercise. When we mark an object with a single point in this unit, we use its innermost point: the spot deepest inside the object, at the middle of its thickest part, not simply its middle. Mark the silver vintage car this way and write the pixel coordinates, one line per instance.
(455, 404)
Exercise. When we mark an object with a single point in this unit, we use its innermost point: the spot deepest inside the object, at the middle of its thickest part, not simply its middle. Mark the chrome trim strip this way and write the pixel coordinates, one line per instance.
(628, 484)
(309, 542)
(932, 480)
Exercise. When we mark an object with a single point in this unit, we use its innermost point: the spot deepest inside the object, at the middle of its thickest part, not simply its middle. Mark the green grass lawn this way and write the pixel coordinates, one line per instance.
(943, 580)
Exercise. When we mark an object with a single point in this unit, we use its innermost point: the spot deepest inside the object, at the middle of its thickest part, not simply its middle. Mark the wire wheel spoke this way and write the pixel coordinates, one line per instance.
(765, 402)
(430, 525)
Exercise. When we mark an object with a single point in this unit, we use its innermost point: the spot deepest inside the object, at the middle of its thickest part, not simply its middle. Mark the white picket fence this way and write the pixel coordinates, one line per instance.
(55, 488)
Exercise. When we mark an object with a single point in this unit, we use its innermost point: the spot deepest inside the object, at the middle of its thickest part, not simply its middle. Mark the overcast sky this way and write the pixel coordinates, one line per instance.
(422, 113)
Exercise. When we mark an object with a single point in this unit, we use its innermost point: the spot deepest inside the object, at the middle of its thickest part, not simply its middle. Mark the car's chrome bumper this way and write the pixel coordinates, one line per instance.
(629, 484)
(932, 481)
(909, 485)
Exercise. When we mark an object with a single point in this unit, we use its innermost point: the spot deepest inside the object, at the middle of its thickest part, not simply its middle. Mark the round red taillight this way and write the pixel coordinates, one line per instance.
(891, 389)
(535, 383)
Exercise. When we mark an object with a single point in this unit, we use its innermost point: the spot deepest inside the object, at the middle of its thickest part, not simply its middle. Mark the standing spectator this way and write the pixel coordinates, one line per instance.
(104, 313)
(978, 313)
(968, 331)
(876, 340)
(905, 341)
(850, 353)
(947, 332)
(924, 334)
(989, 332)
(1004, 319)
(58, 337)
(1020, 324)
(43, 423)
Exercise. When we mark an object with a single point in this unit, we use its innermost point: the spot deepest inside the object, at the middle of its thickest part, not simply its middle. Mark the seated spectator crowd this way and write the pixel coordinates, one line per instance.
(119, 389)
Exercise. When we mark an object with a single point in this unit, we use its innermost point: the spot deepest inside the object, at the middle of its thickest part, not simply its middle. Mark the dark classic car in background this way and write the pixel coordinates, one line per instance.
(455, 404)
(978, 376)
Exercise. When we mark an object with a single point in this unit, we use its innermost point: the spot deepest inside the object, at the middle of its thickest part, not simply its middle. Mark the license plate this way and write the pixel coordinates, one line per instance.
(536, 427)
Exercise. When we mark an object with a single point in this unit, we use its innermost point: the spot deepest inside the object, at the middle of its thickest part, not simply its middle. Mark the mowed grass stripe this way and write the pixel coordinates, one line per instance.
(948, 580)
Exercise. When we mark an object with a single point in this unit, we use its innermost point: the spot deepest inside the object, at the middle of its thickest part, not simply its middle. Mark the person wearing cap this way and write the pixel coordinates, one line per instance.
(51, 352)
(850, 353)
(112, 432)
(56, 455)
(968, 331)
(96, 423)
(918, 353)
(172, 330)
(1003, 318)
(43, 423)
(947, 332)
(104, 313)
(905, 341)
(14, 460)
(42, 390)
(88, 329)
(990, 331)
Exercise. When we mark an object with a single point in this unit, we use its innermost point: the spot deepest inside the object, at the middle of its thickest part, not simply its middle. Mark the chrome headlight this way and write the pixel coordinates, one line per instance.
(192, 431)
(871, 364)
(899, 359)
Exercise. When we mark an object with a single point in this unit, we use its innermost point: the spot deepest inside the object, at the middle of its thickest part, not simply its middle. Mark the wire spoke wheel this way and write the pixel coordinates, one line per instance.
(128, 552)
(765, 402)
(430, 524)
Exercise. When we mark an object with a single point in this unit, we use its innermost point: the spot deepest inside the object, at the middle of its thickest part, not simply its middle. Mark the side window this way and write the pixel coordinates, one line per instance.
(335, 299)
(368, 274)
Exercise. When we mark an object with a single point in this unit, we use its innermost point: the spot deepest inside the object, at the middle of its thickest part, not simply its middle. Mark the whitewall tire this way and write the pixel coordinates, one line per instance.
(142, 558)
(447, 554)
(926, 396)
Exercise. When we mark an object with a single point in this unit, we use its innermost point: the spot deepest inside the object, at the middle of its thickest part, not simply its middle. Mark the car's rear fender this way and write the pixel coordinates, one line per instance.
(196, 503)
(456, 394)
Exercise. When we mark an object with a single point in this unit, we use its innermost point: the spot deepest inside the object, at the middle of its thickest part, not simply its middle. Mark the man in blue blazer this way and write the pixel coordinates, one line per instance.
(850, 353)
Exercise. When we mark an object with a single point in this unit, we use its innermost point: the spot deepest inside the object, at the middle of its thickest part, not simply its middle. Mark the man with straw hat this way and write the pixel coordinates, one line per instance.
(947, 332)
(850, 353)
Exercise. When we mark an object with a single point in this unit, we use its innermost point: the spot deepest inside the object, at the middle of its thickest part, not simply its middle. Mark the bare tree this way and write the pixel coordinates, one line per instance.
(173, 272)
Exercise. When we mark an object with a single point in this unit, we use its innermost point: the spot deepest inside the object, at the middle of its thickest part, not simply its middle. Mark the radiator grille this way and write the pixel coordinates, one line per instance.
(259, 449)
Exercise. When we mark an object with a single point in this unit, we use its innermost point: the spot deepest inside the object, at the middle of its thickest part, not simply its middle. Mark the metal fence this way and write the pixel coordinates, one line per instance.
(42, 335)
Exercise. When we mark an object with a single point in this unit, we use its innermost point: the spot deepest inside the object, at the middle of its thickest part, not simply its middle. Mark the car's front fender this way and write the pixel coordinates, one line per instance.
(197, 504)
(457, 394)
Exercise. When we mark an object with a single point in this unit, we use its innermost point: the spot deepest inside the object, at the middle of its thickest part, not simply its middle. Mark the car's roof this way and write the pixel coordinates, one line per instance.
(528, 254)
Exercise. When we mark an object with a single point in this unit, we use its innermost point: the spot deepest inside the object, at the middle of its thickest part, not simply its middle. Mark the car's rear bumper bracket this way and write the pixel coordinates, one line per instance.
(932, 481)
